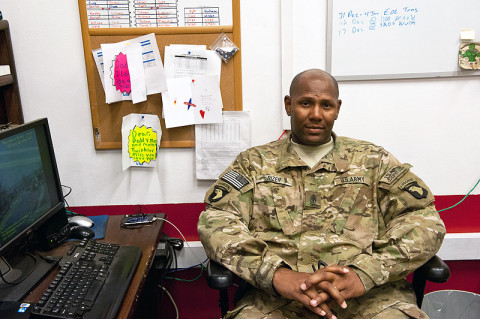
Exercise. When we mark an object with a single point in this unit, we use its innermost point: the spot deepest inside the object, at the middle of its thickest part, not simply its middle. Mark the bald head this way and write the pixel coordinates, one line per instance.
(313, 74)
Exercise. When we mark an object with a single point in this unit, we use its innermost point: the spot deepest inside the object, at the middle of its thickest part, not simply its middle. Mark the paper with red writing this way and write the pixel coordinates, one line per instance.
(178, 105)
(208, 99)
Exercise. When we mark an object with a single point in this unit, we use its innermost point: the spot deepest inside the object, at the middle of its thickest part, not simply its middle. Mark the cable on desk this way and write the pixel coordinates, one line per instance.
(188, 280)
(67, 206)
(184, 240)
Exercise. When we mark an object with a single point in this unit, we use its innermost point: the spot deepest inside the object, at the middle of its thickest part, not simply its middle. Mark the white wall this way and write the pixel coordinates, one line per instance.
(430, 123)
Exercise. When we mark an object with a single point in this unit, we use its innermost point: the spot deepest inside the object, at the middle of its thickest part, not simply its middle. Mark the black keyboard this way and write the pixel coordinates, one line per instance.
(91, 283)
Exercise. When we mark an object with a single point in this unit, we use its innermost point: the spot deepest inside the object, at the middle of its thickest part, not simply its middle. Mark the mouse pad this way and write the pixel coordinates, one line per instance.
(15, 309)
(99, 226)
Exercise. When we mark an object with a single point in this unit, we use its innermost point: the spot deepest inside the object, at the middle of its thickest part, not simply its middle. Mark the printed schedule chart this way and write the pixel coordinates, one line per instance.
(157, 13)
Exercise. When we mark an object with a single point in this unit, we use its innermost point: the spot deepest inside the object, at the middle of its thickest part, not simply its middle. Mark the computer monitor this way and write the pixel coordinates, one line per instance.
(30, 194)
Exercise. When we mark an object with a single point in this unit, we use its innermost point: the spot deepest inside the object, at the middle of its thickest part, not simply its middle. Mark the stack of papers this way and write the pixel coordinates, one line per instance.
(130, 70)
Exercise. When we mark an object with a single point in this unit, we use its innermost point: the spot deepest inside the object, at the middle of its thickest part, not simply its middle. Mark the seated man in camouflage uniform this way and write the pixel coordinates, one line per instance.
(315, 198)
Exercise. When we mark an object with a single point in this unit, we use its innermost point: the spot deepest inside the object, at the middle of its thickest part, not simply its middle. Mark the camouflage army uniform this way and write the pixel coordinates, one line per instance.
(358, 207)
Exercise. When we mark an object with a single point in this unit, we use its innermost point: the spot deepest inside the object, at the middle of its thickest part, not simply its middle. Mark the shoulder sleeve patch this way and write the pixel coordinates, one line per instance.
(235, 179)
(218, 192)
(413, 188)
(410, 190)
(395, 173)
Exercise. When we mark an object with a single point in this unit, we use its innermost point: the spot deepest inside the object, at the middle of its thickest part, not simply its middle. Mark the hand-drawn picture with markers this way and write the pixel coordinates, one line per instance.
(469, 56)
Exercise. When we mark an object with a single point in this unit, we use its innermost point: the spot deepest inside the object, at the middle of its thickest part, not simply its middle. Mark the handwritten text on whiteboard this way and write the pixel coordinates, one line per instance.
(359, 21)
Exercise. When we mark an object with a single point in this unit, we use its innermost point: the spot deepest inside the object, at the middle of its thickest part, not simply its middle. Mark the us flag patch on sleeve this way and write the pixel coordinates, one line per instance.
(235, 179)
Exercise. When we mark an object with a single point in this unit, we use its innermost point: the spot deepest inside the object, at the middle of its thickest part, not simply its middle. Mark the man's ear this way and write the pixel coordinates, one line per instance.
(339, 102)
(288, 104)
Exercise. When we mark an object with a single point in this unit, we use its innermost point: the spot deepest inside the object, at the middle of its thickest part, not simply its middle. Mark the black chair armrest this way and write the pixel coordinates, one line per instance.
(218, 277)
(435, 270)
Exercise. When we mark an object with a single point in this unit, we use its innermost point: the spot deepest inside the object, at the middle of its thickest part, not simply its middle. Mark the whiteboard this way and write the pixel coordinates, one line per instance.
(371, 39)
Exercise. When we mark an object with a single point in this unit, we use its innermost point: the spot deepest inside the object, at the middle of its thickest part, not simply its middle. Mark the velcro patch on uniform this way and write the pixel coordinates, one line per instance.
(413, 188)
(353, 179)
(274, 179)
(218, 193)
(235, 179)
(395, 173)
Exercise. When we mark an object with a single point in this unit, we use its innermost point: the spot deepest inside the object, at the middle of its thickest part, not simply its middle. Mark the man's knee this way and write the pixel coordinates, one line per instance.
(403, 313)
(391, 313)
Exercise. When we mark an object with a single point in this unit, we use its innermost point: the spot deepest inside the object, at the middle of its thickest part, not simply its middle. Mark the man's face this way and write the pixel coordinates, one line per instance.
(313, 108)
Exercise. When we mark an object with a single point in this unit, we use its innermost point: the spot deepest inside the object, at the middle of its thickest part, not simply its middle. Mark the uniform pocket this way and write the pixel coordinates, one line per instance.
(350, 194)
(287, 212)
(276, 207)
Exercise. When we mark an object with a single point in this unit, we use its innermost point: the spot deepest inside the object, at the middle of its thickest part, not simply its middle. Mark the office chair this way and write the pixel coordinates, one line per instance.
(220, 278)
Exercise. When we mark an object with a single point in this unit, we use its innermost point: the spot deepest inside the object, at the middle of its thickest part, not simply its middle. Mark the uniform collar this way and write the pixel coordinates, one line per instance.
(334, 161)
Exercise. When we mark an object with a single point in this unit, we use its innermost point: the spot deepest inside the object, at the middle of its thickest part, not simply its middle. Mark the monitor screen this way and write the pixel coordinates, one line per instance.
(30, 189)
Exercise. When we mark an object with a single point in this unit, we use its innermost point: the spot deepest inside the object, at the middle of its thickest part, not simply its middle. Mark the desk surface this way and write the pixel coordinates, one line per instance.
(146, 237)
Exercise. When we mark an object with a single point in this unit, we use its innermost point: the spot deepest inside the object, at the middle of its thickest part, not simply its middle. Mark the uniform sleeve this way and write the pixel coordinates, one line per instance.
(410, 229)
(224, 233)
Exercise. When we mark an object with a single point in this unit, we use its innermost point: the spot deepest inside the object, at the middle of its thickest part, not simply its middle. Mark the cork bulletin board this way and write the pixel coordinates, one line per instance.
(107, 118)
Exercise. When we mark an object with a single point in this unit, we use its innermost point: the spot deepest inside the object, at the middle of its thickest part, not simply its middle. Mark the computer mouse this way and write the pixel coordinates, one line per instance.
(81, 232)
(79, 220)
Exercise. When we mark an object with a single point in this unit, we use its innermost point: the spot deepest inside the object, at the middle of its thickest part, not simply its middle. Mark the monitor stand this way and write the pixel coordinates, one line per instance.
(23, 273)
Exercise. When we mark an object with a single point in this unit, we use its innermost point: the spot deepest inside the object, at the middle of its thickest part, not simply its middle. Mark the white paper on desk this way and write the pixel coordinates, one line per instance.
(141, 135)
(178, 108)
(152, 63)
(190, 61)
(207, 98)
(217, 145)
(135, 68)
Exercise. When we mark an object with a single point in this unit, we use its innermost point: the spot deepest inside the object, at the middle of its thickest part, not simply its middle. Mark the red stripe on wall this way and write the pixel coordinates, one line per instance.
(464, 218)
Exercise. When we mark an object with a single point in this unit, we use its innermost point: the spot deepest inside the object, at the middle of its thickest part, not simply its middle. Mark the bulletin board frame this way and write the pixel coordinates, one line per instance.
(107, 118)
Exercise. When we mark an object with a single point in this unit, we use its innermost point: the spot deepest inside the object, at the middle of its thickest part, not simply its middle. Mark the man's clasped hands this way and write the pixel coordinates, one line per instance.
(320, 290)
